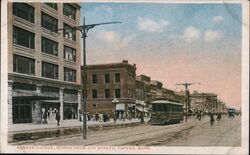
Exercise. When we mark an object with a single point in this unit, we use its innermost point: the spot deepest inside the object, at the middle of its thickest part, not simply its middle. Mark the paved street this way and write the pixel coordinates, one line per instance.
(225, 132)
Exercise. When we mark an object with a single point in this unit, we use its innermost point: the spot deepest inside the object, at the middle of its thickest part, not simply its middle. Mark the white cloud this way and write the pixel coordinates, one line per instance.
(149, 25)
(115, 38)
(211, 35)
(218, 19)
(191, 34)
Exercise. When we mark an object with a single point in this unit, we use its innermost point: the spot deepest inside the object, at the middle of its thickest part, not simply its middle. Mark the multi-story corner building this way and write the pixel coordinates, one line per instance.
(43, 63)
(110, 87)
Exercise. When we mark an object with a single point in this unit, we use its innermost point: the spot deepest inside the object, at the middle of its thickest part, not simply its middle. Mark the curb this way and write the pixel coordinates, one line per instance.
(63, 131)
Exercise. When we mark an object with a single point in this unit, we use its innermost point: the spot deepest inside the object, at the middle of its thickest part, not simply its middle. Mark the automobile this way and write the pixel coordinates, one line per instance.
(231, 112)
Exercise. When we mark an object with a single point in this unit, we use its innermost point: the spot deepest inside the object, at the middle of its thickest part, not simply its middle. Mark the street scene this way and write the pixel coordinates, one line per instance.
(124, 74)
(224, 132)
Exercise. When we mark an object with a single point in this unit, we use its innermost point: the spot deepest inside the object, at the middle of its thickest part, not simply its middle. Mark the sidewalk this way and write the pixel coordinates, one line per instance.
(26, 132)
(65, 124)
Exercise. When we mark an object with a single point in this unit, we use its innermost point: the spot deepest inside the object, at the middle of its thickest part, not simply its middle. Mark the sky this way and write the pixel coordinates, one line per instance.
(172, 43)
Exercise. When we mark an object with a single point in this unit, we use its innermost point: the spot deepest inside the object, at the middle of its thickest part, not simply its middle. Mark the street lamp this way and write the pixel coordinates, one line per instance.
(84, 30)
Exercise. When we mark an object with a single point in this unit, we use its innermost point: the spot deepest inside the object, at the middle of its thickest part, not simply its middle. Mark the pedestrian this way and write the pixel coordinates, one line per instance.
(218, 116)
(211, 118)
(45, 117)
(58, 117)
(115, 117)
(96, 117)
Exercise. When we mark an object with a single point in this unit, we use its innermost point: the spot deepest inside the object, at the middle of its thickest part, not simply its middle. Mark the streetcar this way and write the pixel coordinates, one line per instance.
(165, 112)
(231, 112)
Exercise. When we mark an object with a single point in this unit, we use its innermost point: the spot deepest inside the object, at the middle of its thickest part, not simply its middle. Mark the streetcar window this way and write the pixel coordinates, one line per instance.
(154, 107)
(174, 108)
(159, 107)
(165, 107)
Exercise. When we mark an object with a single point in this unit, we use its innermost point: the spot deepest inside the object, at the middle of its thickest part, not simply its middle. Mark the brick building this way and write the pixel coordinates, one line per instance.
(106, 82)
(43, 64)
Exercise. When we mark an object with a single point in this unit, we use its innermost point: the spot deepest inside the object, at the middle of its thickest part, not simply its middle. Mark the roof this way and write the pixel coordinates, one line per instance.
(165, 102)
(110, 65)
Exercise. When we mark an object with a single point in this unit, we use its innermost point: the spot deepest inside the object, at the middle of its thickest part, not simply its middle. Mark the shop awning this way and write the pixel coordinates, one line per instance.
(33, 95)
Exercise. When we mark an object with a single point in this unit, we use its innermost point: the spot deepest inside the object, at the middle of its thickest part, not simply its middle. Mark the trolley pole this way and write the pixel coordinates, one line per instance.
(84, 30)
(187, 96)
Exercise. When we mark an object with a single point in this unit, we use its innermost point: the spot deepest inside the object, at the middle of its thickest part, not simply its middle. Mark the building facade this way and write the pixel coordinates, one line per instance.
(203, 101)
(43, 63)
(110, 88)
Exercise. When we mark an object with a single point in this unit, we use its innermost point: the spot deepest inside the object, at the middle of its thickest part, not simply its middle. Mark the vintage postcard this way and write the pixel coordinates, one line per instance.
(125, 77)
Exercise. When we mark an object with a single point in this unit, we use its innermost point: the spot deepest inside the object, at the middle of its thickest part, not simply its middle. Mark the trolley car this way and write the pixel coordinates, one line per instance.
(166, 112)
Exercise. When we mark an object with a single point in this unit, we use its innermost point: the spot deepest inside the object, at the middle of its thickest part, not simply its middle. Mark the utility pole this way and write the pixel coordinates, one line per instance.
(186, 85)
(84, 30)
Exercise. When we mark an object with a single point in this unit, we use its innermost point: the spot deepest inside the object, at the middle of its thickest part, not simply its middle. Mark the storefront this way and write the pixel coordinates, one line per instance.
(70, 104)
(28, 102)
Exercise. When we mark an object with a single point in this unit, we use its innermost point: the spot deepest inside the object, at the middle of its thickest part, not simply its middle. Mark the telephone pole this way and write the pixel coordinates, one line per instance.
(186, 85)
(84, 30)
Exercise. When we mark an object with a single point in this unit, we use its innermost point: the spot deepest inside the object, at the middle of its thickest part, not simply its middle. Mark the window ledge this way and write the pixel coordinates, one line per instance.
(70, 62)
(70, 20)
(44, 30)
(46, 7)
(49, 55)
(23, 21)
(70, 81)
(70, 41)
(23, 48)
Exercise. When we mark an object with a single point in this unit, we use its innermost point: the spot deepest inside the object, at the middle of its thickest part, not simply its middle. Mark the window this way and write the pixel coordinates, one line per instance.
(94, 78)
(69, 11)
(107, 93)
(70, 111)
(117, 77)
(69, 74)
(24, 11)
(52, 5)
(84, 78)
(23, 37)
(49, 22)
(69, 54)
(107, 78)
(69, 32)
(165, 107)
(159, 107)
(117, 93)
(94, 93)
(23, 86)
(24, 65)
(49, 70)
(49, 46)
(22, 111)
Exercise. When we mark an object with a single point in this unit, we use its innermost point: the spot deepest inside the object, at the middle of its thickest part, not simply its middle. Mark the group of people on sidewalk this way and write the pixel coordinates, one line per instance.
(47, 114)
(200, 114)
(101, 117)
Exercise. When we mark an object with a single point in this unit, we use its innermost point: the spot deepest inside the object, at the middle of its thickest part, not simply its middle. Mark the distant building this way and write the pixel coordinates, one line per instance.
(203, 101)
(110, 87)
(43, 64)
(146, 82)
(156, 89)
